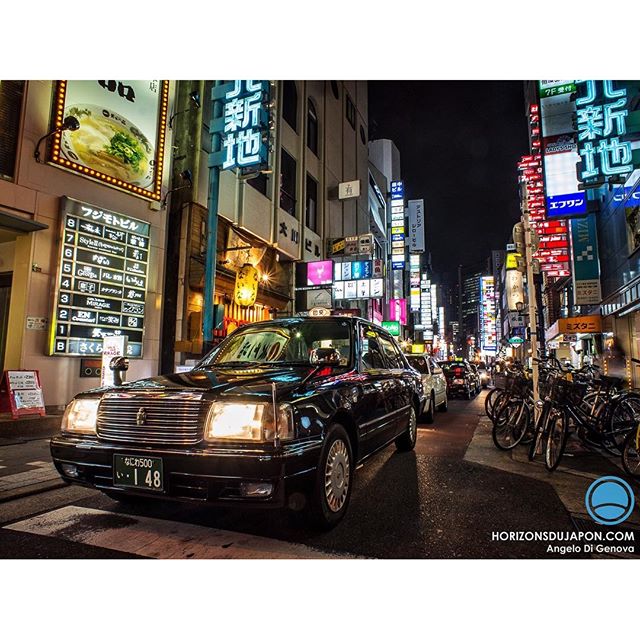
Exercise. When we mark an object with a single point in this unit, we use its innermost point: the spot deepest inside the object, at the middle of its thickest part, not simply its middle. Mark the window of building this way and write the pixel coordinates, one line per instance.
(363, 135)
(335, 90)
(290, 104)
(312, 127)
(311, 215)
(350, 112)
(11, 93)
(260, 183)
(287, 183)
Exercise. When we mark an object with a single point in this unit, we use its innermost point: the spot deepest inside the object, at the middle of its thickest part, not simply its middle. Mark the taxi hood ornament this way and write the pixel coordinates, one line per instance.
(141, 417)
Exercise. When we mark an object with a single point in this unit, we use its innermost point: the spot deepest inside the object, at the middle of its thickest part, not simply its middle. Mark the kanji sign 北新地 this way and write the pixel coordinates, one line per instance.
(601, 121)
(244, 124)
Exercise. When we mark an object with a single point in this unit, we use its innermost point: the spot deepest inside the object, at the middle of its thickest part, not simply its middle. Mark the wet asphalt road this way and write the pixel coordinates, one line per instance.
(428, 503)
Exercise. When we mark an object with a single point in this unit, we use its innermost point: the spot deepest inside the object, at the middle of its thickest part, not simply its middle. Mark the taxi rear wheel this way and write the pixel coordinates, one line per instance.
(429, 414)
(407, 441)
(334, 480)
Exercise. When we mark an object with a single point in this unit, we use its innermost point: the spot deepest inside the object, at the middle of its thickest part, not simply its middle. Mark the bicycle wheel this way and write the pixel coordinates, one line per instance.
(539, 432)
(530, 431)
(511, 425)
(490, 400)
(501, 402)
(631, 453)
(556, 439)
(623, 420)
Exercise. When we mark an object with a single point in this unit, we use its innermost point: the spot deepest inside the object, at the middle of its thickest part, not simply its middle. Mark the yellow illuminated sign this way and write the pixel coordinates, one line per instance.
(246, 288)
(512, 260)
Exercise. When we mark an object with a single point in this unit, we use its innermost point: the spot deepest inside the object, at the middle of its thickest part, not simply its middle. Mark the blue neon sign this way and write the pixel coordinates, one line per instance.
(244, 125)
(601, 123)
(397, 190)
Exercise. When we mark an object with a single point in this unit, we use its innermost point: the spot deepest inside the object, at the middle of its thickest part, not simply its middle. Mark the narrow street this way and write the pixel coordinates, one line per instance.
(443, 500)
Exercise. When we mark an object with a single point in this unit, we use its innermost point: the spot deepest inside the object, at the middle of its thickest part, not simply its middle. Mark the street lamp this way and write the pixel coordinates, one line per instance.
(70, 123)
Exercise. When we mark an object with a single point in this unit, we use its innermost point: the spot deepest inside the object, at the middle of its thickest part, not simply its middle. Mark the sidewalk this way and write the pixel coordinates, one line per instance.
(29, 427)
(579, 468)
(25, 462)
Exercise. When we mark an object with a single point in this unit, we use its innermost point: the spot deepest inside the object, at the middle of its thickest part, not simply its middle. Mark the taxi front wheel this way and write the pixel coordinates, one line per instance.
(334, 480)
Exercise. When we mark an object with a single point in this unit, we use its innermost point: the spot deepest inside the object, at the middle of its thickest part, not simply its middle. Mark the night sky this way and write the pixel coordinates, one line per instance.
(459, 142)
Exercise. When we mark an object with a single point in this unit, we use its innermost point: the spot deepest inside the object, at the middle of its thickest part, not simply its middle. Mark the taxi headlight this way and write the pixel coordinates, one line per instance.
(80, 416)
(250, 421)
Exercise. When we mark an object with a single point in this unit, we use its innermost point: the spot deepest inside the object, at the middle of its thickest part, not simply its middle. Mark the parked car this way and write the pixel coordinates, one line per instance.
(434, 384)
(476, 373)
(485, 374)
(279, 414)
(461, 379)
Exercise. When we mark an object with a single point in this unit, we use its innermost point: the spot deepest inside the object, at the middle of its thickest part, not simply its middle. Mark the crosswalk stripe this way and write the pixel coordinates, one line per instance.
(156, 538)
(26, 478)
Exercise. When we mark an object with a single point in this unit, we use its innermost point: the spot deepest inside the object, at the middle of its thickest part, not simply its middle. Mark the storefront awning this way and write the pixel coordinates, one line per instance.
(19, 224)
(573, 326)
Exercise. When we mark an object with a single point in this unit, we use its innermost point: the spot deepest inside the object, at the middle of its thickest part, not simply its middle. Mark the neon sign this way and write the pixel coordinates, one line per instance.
(601, 122)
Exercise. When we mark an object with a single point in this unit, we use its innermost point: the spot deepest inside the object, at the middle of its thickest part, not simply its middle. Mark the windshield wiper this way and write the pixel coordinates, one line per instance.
(232, 363)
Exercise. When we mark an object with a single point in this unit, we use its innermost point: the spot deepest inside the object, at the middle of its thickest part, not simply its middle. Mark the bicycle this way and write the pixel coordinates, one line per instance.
(603, 424)
(631, 453)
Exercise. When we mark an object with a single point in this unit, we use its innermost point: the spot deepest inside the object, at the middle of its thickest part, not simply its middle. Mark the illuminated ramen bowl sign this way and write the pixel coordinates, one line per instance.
(246, 288)
(120, 140)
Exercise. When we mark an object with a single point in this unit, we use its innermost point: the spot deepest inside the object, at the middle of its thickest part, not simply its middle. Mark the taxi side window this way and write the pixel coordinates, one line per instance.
(371, 352)
(392, 352)
(435, 367)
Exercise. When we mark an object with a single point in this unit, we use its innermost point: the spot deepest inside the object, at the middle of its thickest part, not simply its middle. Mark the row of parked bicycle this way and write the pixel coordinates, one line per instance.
(583, 402)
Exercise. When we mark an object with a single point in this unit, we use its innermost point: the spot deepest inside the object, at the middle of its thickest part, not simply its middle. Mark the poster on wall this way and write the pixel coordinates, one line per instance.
(101, 285)
(120, 135)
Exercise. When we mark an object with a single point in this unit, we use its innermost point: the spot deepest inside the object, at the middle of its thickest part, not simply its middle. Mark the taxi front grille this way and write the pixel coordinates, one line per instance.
(152, 418)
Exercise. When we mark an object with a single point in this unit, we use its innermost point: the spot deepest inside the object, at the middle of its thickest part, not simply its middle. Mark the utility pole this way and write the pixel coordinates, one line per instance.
(531, 291)
(212, 224)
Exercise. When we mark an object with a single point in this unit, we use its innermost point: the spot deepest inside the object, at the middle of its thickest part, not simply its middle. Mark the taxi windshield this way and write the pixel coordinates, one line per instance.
(287, 343)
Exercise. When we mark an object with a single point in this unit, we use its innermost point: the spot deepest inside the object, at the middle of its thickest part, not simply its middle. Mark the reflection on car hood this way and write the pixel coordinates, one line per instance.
(225, 381)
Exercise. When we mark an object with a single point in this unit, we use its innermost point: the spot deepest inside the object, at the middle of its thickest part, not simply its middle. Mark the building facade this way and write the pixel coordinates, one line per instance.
(57, 297)
(284, 215)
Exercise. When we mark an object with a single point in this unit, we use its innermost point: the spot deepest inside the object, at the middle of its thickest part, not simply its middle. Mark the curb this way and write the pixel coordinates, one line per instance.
(31, 490)
(43, 427)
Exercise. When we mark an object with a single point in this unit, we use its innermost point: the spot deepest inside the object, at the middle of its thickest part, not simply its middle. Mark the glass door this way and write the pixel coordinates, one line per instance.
(5, 298)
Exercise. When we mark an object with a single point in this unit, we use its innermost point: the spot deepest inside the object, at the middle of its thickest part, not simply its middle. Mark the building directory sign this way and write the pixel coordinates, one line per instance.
(101, 285)
(120, 140)
(560, 149)
(416, 225)
(487, 314)
(397, 230)
(586, 263)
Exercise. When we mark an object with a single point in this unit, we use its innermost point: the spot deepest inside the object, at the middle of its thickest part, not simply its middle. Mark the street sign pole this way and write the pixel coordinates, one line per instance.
(212, 231)
(531, 294)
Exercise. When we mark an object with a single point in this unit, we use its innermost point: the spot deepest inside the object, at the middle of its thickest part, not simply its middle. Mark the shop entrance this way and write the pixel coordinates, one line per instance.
(5, 298)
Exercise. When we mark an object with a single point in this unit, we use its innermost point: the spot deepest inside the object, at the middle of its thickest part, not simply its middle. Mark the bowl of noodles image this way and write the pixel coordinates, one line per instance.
(109, 143)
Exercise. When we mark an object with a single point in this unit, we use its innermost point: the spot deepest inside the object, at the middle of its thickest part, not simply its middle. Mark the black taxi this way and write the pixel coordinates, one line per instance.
(279, 414)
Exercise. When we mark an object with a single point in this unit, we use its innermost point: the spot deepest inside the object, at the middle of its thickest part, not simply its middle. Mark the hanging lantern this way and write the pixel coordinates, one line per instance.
(246, 288)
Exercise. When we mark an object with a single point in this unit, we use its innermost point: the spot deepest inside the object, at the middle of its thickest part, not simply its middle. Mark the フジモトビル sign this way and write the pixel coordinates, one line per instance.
(101, 285)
